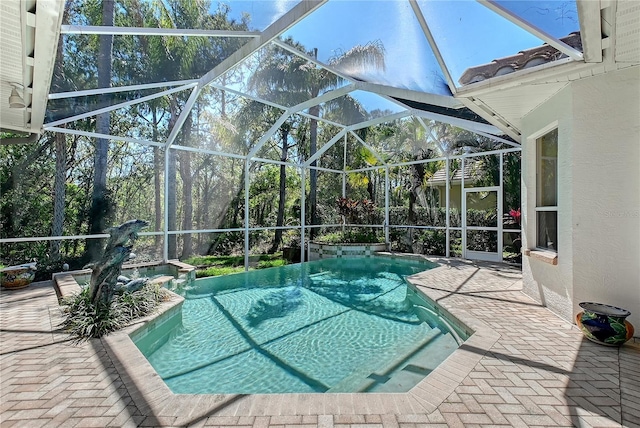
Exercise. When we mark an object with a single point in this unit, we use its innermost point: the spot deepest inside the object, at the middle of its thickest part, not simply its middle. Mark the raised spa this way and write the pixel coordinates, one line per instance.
(336, 325)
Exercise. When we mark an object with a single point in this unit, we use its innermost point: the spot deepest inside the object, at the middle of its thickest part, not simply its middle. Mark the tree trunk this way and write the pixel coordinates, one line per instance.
(171, 205)
(313, 173)
(277, 239)
(100, 205)
(59, 192)
(158, 161)
(187, 208)
(187, 190)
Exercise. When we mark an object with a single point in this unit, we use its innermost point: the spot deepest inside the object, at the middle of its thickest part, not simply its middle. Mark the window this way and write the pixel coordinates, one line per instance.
(547, 191)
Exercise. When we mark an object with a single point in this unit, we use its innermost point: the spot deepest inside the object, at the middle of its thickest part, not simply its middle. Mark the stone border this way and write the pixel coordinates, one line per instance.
(153, 396)
(319, 251)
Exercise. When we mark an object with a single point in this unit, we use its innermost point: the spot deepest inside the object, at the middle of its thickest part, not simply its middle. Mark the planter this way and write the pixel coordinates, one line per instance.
(319, 250)
(20, 276)
(604, 324)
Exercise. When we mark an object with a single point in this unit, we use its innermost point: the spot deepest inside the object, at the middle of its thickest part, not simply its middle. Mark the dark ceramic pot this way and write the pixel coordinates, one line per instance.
(604, 324)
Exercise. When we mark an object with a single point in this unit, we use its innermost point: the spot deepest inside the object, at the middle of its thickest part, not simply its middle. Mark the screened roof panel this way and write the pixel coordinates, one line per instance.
(469, 34)
(340, 30)
(278, 76)
(557, 18)
(355, 107)
(259, 14)
(226, 123)
(140, 59)
(313, 67)
(295, 133)
(68, 107)
(398, 143)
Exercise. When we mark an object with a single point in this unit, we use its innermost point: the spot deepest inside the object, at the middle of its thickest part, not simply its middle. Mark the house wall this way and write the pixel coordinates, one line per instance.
(598, 121)
(552, 285)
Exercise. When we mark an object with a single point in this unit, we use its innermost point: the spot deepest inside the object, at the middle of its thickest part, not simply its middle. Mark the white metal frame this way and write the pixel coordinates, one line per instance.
(258, 40)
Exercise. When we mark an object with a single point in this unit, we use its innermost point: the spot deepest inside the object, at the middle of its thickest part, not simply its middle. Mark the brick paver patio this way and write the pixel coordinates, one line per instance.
(525, 367)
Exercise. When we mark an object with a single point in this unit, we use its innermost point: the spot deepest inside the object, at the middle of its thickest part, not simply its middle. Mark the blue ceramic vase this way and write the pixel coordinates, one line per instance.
(604, 324)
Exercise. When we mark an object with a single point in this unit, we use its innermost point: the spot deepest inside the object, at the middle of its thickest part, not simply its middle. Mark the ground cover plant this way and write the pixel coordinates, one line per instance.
(84, 319)
(224, 265)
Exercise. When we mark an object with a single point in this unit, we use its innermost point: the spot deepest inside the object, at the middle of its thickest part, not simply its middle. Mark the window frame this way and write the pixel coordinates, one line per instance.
(539, 206)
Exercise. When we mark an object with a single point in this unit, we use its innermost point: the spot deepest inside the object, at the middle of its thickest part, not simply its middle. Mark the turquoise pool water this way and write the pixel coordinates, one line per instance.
(336, 325)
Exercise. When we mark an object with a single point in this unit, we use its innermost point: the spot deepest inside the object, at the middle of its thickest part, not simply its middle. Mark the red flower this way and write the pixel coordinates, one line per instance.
(515, 215)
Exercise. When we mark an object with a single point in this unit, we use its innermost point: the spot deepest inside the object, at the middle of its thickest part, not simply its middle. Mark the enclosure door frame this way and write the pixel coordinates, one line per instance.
(482, 255)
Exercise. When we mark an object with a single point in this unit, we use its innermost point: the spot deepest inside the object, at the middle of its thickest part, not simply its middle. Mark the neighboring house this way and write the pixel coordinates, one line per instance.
(473, 170)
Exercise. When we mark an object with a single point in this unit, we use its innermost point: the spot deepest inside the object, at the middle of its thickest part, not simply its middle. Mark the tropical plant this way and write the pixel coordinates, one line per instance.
(83, 319)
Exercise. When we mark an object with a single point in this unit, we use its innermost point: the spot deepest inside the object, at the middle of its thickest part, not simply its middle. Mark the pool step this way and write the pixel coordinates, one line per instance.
(365, 377)
(415, 368)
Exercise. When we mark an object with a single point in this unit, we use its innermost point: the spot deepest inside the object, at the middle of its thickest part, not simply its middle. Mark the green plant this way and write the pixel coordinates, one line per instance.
(84, 320)
(434, 242)
(218, 271)
(358, 236)
(264, 264)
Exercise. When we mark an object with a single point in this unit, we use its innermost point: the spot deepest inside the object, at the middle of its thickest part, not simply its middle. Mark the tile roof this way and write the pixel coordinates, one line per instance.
(524, 59)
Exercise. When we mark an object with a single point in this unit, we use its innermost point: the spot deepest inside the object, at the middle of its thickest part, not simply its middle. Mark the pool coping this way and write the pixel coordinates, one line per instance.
(153, 396)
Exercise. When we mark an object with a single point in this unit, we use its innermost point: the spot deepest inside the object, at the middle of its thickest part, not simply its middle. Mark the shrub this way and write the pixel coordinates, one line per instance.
(83, 320)
(264, 264)
(218, 270)
(359, 236)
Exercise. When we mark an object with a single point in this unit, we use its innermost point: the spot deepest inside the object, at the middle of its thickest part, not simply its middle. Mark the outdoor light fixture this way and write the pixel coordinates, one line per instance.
(15, 100)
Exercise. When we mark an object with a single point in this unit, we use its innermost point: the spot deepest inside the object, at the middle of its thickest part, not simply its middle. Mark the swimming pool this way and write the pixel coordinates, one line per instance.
(335, 325)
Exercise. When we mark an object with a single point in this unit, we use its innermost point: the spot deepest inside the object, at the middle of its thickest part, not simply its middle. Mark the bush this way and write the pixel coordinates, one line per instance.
(264, 264)
(358, 236)
(218, 271)
(83, 320)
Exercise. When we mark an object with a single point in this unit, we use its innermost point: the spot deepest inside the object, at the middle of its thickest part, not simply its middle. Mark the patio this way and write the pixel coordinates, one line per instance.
(527, 368)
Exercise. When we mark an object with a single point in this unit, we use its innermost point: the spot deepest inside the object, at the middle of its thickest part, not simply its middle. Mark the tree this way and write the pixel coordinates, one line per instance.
(290, 79)
(100, 203)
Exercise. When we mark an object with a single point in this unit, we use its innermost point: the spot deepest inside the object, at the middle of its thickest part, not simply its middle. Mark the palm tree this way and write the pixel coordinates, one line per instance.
(290, 79)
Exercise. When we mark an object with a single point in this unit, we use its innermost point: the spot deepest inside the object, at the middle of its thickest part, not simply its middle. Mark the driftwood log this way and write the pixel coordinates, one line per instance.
(105, 272)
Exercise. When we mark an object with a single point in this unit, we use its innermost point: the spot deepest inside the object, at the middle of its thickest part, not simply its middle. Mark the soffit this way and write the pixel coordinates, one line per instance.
(627, 47)
(28, 38)
(515, 103)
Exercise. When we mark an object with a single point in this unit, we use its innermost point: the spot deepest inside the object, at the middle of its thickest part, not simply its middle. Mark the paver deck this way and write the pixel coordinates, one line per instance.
(526, 367)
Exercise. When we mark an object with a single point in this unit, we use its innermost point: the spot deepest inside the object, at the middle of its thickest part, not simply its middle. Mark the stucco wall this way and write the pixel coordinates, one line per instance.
(551, 285)
(606, 198)
(599, 195)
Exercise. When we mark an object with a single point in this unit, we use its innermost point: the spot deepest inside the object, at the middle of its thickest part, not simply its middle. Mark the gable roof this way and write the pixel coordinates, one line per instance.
(471, 169)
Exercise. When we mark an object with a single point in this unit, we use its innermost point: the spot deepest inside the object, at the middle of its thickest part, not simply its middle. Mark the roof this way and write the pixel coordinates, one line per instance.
(471, 169)
(524, 59)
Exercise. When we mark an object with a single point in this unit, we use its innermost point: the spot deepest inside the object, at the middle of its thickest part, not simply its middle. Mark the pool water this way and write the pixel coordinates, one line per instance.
(334, 325)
